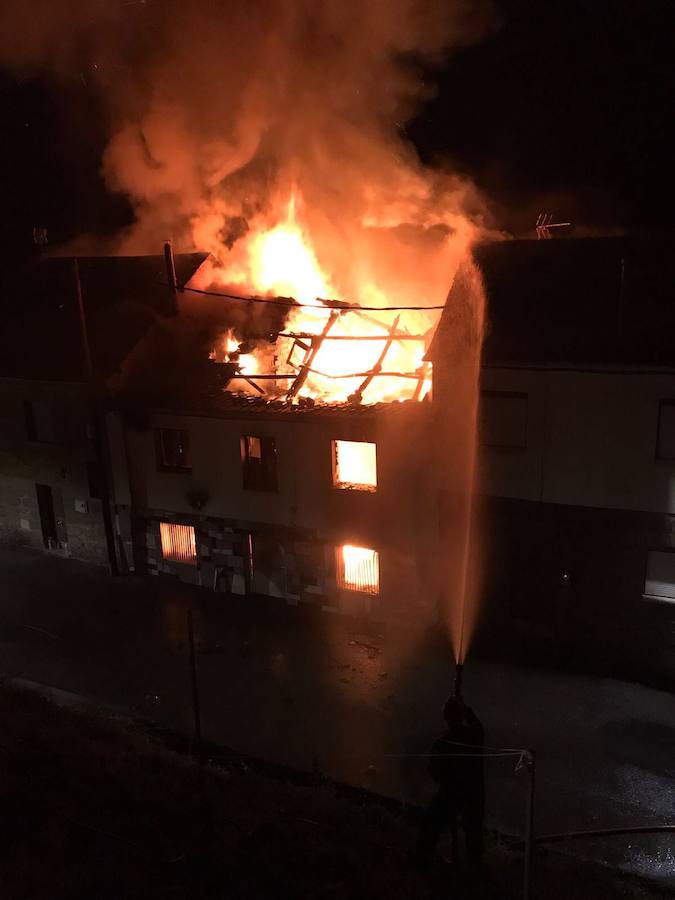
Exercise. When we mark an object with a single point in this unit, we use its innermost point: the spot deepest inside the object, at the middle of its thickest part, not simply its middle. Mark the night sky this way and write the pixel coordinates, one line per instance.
(562, 107)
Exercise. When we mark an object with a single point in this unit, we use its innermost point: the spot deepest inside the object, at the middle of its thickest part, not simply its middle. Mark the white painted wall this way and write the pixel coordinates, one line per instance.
(591, 440)
(397, 513)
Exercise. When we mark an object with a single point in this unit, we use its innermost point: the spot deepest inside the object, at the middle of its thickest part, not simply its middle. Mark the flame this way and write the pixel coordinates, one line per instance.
(281, 261)
(358, 569)
(355, 465)
(227, 350)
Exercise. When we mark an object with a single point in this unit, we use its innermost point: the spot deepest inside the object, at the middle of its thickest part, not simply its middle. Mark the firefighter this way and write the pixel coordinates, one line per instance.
(456, 765)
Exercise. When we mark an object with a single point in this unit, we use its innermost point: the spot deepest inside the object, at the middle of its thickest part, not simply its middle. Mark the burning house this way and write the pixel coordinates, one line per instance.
(322, 454)
(297, 452)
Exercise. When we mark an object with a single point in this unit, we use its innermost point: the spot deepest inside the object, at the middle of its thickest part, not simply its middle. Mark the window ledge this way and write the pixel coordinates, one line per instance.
(655, 598)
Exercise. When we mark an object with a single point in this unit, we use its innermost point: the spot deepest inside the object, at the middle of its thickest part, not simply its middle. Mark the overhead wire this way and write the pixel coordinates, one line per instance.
(333, 305)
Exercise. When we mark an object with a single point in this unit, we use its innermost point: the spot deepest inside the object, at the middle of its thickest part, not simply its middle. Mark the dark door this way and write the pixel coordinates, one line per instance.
(45, 501)
(269, 567)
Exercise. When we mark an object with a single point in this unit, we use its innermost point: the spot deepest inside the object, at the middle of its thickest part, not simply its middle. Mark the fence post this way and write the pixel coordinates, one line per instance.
(195, 687)
(530, 762)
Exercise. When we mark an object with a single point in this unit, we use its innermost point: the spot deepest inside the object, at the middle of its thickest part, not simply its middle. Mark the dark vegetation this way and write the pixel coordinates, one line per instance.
(96, 808)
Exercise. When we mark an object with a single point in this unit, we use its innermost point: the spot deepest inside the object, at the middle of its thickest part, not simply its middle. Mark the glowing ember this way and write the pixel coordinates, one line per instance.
(355, 465)
(358, 569)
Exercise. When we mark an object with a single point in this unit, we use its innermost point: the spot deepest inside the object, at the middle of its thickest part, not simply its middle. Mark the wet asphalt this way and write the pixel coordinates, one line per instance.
(316, 692)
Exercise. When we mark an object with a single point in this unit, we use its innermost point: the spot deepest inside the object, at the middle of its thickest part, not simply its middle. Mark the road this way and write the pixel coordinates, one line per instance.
(309, 691)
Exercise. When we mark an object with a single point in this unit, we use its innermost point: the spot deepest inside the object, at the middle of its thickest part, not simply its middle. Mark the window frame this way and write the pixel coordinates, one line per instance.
(340, 579)
(178, 560)
(31, 422)
(263, 475)
(335, 465)
(657, 598)
(657, 455)
(162, 465)
(507, 395)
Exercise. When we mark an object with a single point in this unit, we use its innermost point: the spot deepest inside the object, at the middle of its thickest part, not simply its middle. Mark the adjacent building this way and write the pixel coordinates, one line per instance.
(68, 329)
(577, 461)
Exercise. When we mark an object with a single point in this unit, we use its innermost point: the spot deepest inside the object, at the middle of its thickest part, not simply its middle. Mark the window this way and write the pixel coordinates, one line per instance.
(660, 577)
(665, 439)
(259, 463)
(358, 569)
(173, 450)
(354, 465)
(40, 421)
(503, 420)
(178, 543)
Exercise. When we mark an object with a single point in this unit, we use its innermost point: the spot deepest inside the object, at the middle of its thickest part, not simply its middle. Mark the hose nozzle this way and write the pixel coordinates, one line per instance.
(459, 673)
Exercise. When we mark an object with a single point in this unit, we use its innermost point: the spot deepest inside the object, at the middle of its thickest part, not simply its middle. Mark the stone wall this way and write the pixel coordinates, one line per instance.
(60, 464)
(298, 567)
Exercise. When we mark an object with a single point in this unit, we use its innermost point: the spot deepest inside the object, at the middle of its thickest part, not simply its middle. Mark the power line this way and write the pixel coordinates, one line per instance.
(336, 305)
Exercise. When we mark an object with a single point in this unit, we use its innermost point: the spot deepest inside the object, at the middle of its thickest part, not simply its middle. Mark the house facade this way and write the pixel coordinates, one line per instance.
(331, 507)
(52, 490)
(361, 510)
(577, 456)
(67, 332)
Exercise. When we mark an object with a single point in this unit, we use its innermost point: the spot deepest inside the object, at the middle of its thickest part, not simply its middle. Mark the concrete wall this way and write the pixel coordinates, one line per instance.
(591, 440)
(61, 464)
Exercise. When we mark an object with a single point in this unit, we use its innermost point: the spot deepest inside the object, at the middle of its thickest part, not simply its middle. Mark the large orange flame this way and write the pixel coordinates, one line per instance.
(280, 261)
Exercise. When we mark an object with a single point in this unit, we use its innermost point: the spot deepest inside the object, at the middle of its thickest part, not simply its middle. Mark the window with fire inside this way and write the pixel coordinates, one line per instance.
(355, 465)
(358, 569)
(258, 463)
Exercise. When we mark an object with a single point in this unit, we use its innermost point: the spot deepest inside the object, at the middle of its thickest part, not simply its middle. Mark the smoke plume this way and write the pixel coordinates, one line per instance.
(220, 111)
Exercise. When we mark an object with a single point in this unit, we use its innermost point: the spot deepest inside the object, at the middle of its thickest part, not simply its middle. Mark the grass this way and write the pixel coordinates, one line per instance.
(94, 808)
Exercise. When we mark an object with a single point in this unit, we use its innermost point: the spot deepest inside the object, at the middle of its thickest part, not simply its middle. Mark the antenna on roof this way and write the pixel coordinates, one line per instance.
(544, 225)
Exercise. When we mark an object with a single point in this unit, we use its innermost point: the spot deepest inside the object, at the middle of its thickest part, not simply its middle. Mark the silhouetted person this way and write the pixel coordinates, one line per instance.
(456, 765)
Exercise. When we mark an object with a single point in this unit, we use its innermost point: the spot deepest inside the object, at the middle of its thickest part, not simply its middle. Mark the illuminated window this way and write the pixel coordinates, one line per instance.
(259, 463)
(358, 569)
(178, 543)
(660, 576)
(665, 441)
(173, 450)
(354, 465)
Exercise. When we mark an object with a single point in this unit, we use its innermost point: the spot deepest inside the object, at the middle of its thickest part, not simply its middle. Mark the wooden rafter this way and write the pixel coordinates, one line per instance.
(310, 356)
(424, 372)
(302, 336)
(377, 368)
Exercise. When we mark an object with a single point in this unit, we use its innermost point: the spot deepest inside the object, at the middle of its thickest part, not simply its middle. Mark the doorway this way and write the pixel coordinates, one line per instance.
(52, 521)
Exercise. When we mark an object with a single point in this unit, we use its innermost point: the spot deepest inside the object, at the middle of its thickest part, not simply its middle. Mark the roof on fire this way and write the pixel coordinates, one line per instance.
(603, 300)
(122, 295)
